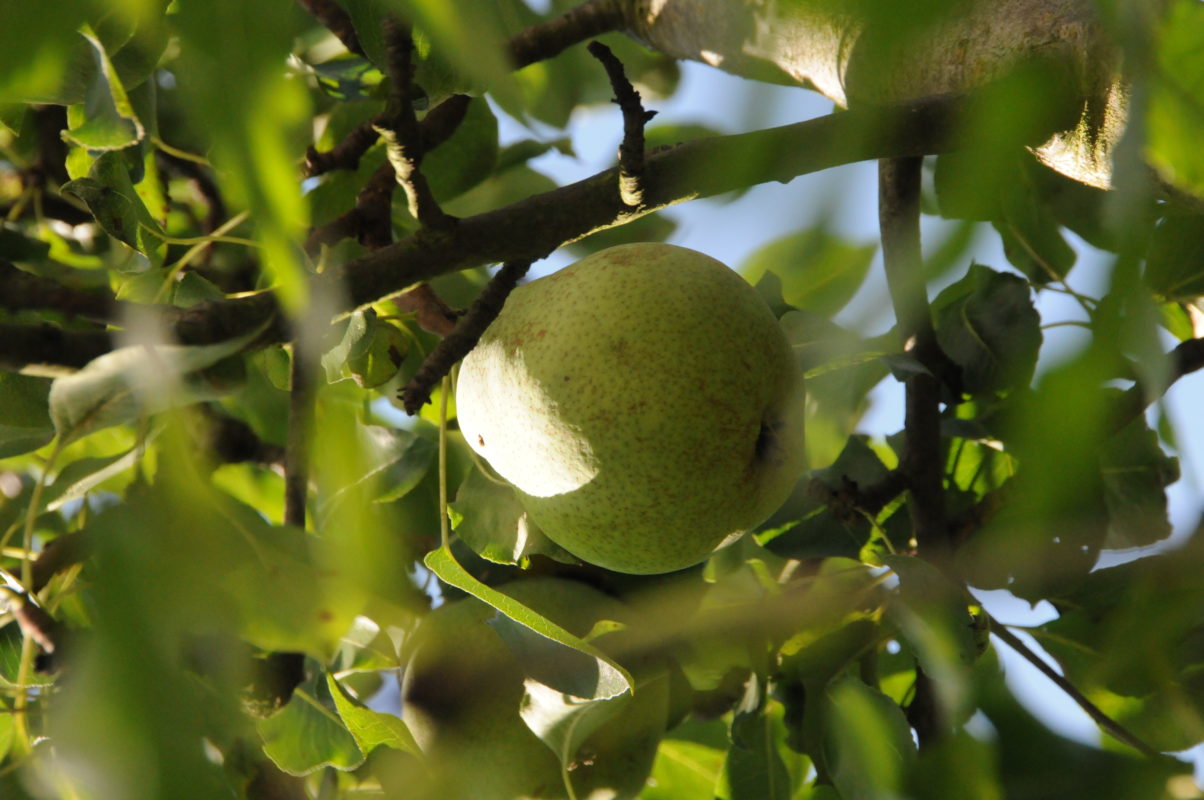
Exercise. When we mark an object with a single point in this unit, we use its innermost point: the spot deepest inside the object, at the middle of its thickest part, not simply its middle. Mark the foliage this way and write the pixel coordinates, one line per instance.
(174, 628)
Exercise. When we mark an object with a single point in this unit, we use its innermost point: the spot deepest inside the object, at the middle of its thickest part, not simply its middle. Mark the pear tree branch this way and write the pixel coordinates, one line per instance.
(631, 150)
(484, 310)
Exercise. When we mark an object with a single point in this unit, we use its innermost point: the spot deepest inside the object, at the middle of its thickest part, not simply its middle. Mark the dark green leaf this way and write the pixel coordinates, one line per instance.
(1174, 266)
(867, 741)
(489, 517)
(16, 246)
(987, 325)
(110, 196)
(107, 120)
(25, 424)
(467, 158)
(1176, 105)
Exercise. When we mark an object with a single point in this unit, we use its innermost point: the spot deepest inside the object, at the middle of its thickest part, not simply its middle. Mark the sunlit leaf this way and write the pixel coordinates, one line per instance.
(820, 272)
(107, 120)
(370, 728)
(308, 734)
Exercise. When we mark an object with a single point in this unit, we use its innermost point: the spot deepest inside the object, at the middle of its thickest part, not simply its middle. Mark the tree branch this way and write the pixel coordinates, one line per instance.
(631, 150)
(548, 39)
(459, 342)
(1186, 358)
(25, 345)
(534, 227)
(335, 20)
(1109, 725)
(20, 290)
(921, 462)
(402, 134)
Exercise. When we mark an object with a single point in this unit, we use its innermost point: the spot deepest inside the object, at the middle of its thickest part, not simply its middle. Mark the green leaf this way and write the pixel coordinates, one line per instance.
(930, 612)
(564, 721)
(26, 422)
(689, 762)
(1136, 473)
(396, 462)
(131, 382)
(867, 740)
(489, 518)
(348, 77)
(107, 120)
(612, 679)
(370, 728)
(987, 324)
(308, 734)
(1174, 262)
(754, 769)
(820, 272)
(1176, 104)
(468, 157)
(84, 474)
(110, 196)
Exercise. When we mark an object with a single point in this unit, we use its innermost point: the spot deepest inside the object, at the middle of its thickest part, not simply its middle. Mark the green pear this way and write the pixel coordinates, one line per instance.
(644, 402)
(462, 692)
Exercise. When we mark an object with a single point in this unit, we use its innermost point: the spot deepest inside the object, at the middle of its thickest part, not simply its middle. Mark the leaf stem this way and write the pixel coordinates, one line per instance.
(444, 532)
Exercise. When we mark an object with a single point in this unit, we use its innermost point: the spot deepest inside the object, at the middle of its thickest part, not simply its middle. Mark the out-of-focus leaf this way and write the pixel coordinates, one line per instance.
(612, 680)
(106, 121)
(1174, 265)
(120, 386)
(930, 613)
(193, 288)
(370, 728)
(308, 734)
(524, 150)
(987, 324)
(868, 742)
(499, 190)
(956, 766)
(820, 272)
(1176, 106)
(110, 196)
(489, 518)
(754, 769)
(468, 157)
(1136, 473)
(397, 461)
(16, 246)
(26, 423)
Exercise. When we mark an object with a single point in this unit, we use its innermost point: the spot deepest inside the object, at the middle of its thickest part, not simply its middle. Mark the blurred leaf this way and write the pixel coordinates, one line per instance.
(754, 769)
(1136, 473)
(26, 424)
(112, 199)
(370, 728)
(468, 157)
(820, 272)
(1176, 105)
(488, 516)
(867, 741)
(107, 120)
(16, 246)
(499, 190)
(930, 612)
(308, 734)
(612, 679)
(83, 475)
(954, 767)
(396, 461)
(987, 324)
(688, 762)
(192, 289)
(524, 150)
(1174, 265)
(127, 383)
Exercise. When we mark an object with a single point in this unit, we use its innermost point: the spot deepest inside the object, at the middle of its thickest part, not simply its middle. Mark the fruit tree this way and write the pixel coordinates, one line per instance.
(323, 476)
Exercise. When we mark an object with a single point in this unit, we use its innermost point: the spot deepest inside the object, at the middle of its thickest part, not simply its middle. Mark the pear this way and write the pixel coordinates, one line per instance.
(462, 692)
(644, 402)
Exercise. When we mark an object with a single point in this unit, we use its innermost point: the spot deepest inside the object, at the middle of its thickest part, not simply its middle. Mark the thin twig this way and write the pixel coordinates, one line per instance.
(344, 155)
(631, 150)
(402, 135)
(460, 341)
(550, 38)
(432, 314)
(1109, 725)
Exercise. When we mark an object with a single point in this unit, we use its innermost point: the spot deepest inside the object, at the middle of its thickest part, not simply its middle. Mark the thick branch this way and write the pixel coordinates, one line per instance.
(335, 20)
(21, 291)
(534, 227)
(23, 345)
(460, 341)
(548, 39)
(921, 463)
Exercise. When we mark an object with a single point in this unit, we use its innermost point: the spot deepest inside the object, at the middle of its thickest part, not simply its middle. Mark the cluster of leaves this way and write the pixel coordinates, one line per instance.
(168, 635)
